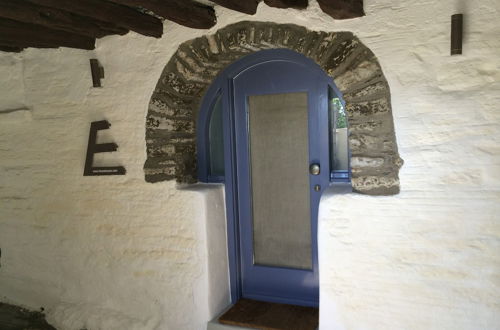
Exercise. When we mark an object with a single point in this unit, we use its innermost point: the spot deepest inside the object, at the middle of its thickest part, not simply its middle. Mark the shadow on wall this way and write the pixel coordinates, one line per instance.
(15, 318)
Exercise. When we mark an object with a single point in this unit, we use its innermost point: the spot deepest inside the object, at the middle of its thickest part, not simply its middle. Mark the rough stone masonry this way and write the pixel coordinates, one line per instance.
(174, 106)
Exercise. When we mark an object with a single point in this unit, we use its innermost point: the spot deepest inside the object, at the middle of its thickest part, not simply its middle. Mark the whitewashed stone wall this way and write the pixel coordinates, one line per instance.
(120, 253)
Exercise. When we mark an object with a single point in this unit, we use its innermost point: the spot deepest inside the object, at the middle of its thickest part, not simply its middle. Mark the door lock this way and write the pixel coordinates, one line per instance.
(314, 169)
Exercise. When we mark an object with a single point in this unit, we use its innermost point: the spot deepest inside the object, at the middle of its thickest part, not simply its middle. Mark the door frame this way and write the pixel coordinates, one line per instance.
(222, 86)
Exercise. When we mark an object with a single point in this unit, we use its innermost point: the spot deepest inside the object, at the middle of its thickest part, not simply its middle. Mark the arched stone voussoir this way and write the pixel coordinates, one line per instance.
(174, 105)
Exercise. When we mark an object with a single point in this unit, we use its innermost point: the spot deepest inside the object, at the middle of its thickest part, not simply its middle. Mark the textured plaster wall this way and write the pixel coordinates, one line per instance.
(120, 253)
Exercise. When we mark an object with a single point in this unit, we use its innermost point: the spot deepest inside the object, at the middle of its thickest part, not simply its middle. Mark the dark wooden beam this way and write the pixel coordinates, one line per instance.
(24, 44)
(244, 6)
(23, 35)
(342, 9)
(298, 4)
(24, 11)
(10, 49)
(119, 15)
(19, 43)
(185, 12)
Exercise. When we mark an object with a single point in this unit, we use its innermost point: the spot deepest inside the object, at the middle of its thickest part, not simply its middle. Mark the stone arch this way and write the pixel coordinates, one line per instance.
(174, 105)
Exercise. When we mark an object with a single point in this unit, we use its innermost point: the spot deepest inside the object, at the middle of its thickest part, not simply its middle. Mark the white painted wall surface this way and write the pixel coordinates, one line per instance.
(119, 253)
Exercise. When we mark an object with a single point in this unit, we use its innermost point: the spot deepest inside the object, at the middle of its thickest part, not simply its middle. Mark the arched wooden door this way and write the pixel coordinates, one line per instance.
(276, 155)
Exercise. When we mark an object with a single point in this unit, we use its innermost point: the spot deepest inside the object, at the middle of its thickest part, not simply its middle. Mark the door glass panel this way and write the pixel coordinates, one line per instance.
(339, 143)
(216, 141)
(279, 160)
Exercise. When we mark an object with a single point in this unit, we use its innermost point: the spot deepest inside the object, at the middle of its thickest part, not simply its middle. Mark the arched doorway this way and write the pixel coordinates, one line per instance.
(264, 130)
(173, 109)
(171, 140)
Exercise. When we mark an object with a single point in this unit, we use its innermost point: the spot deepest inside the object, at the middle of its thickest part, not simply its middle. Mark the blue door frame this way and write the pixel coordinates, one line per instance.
(299, 74)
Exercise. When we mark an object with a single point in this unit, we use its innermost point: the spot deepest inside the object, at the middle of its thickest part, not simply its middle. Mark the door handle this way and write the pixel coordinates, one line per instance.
(314, 169)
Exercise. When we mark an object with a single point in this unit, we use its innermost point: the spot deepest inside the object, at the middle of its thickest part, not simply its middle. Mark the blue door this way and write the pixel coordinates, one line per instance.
(281, 166)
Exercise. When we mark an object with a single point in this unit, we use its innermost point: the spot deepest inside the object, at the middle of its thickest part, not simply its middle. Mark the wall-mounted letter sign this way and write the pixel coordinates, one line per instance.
(97, 72)
(94, 148)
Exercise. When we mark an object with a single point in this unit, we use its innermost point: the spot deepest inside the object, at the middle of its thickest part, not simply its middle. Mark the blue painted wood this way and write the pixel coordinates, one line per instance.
(231, 181)
(265, 72)
(276, 77)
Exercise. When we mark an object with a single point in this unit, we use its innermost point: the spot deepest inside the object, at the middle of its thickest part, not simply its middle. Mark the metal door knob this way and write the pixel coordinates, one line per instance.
(314, 169)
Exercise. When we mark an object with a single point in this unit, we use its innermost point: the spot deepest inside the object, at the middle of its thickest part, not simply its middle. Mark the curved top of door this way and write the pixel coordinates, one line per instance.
(225, 78)
(248, 61)
(263, 56)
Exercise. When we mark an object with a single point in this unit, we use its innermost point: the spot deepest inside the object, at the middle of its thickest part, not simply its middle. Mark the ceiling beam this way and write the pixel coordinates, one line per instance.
(10, 49)
(23, 44)
(185, 12)
(245, 6)
(23, 11)
(23, 35)
(342, 9)
(122, 16)
(297, 4)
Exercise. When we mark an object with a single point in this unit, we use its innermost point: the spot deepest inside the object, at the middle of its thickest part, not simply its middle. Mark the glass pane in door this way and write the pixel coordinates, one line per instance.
(216, 140)
(279, 160)
(339, 137)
